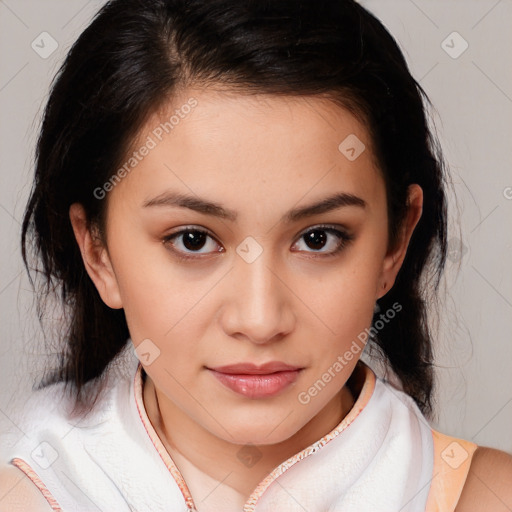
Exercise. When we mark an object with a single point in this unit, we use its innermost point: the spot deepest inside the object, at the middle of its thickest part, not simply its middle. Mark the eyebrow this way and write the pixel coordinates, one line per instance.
(333, 202)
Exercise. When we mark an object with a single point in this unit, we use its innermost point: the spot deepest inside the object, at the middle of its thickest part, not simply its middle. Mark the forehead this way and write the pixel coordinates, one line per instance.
(219, 143)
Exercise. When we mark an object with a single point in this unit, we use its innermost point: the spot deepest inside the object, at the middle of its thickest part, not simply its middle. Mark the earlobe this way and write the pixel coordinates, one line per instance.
(395, 257)
(95, 257)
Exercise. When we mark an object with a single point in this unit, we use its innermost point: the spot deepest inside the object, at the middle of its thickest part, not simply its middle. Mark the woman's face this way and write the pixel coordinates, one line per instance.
(285, 255)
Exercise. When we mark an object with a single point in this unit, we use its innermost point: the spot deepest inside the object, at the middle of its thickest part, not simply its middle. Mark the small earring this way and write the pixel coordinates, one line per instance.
(376, 308)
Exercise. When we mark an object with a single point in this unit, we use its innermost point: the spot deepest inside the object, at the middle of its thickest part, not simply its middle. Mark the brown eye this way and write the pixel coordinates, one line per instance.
(320, 237)
(188, 243)
(316, 239)
(194, 240)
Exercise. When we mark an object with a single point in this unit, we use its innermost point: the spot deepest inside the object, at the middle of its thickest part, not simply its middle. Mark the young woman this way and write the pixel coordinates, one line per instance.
(232, 200)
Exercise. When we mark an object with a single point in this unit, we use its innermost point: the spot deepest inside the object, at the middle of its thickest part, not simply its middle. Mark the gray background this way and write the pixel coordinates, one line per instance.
(472, 94)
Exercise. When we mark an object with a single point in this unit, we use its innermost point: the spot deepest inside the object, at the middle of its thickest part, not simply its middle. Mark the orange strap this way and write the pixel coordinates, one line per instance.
(452, 459)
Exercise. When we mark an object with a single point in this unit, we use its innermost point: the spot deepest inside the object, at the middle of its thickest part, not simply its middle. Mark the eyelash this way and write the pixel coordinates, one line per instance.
(344, 240)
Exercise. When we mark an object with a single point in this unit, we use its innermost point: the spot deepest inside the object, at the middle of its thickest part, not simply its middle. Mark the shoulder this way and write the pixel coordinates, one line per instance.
(488, 486)
(18, 493)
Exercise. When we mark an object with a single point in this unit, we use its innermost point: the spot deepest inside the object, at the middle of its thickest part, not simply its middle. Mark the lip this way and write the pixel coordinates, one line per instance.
(257, 381)
(253, 369)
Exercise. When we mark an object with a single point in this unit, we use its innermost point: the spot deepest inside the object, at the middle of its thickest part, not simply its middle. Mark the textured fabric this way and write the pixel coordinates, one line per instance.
(381, 457)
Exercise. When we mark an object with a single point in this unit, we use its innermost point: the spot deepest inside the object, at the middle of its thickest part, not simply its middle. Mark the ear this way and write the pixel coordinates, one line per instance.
(396, 255)
(95, 257)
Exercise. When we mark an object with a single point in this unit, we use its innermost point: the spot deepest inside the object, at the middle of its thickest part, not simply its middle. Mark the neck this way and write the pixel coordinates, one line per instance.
(220, 461)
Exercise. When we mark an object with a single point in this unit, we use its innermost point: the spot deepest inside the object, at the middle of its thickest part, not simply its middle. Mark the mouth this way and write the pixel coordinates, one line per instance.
(253, 381)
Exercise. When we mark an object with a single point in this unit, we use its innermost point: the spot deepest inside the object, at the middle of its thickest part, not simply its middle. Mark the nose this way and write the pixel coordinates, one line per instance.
(260, 304)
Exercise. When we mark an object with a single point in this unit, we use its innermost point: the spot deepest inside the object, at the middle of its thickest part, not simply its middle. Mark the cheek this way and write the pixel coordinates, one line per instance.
(149, 289)
(346, 305)
(344, 299)
(159, 305)
(164, 302)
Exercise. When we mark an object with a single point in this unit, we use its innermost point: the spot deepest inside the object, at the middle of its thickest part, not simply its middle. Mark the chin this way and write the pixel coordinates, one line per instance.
(266, 431)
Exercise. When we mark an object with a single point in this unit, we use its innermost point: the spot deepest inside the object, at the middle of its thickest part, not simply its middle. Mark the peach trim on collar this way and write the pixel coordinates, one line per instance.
(164, 454)
(23, 466)
(361, 402)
